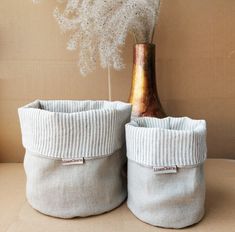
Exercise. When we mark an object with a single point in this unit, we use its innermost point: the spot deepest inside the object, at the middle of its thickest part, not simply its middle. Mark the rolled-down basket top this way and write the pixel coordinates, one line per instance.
(74, 129)
(166, 142)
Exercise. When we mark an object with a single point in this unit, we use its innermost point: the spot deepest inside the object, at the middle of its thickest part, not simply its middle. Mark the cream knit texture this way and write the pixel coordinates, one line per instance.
(166, 142)
(74, 129)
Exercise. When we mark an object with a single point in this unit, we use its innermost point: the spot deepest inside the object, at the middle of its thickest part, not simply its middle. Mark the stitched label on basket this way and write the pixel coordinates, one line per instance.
(165, 170)
(73, 161)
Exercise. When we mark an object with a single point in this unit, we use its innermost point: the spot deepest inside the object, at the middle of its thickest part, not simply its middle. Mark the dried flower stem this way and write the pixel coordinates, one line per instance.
(109, 84)
(156, 20)
(133, 34)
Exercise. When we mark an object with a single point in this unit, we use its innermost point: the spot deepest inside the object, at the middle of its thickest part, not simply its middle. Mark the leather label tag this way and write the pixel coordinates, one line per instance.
(165, 170)
(73, 161)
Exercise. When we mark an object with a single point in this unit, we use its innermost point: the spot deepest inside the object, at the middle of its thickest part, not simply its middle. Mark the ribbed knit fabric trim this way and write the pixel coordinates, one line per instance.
(74, 129)
(166, 142)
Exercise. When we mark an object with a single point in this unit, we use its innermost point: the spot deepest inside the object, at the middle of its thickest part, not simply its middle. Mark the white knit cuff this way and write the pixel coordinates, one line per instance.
(74, 129)
(166, 142)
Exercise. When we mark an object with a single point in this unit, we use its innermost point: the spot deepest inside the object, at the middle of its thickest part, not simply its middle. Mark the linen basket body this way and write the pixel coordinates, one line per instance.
(166, 184)
(75, 153)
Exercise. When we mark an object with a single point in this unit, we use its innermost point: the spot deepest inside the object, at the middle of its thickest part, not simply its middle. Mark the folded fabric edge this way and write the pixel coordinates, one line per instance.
(90, 133)
(164, 147)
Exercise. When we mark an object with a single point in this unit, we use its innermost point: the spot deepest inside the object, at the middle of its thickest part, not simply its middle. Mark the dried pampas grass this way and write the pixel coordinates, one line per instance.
(99, 28)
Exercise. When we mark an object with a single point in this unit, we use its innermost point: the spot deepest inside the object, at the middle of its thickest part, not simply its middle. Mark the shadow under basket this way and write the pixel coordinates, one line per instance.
(75, 154)
(166, 184)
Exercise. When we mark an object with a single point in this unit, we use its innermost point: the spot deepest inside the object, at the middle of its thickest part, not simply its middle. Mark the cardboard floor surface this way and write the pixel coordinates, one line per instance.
(16, 215)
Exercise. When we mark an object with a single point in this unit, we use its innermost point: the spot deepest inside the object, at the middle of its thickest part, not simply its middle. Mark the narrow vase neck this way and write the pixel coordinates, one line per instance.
(144, 65)
(144, 96)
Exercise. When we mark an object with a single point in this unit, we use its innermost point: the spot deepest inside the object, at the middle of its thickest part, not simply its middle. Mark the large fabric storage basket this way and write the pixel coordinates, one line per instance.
(166, 185)
(75, 152)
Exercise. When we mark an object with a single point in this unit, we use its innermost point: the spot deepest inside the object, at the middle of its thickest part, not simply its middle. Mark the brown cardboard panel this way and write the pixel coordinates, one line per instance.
(195, 67)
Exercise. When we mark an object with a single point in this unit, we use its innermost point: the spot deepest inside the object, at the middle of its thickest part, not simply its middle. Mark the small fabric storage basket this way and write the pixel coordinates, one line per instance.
(75, 152)
(166, 185)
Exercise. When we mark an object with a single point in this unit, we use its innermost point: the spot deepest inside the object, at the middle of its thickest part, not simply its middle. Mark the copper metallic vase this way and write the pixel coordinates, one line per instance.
(144, 96)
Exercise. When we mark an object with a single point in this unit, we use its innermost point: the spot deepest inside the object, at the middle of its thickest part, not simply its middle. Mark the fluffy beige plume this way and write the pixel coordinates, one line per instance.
(99, 28)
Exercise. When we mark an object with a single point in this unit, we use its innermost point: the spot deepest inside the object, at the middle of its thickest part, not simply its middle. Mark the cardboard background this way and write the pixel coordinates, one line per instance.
(195, 67)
